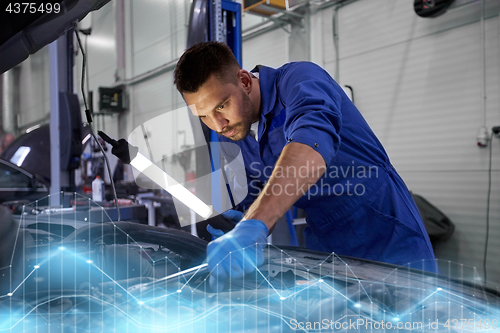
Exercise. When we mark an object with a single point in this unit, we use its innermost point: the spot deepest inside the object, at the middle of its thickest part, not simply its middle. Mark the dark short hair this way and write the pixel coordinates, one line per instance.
(201, 61)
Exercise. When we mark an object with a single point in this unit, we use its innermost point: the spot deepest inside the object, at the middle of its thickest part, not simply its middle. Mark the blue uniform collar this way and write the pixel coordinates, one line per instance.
(267, 84)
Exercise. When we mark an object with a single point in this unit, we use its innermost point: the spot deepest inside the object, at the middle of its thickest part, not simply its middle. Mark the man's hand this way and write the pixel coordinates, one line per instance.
(236, 253)
(232, 216)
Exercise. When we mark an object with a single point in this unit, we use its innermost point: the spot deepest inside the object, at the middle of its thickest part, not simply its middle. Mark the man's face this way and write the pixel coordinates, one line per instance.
(224, 107)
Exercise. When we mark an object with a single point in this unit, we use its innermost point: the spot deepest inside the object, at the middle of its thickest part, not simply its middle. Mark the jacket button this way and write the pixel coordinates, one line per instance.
(316, 145)
(290, 140)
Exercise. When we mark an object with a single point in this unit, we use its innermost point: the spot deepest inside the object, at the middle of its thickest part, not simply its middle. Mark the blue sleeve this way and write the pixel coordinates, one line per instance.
(313, 108)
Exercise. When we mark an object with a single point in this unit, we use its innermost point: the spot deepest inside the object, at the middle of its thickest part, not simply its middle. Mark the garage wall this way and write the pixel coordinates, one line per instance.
(153, 45)
(101, 63)
(33, 85)
(268, 49)
(418, 82)
(157, 38)
(159, 30)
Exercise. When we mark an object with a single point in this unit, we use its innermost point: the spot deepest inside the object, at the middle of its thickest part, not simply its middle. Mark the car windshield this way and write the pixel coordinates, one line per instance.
(11, 177)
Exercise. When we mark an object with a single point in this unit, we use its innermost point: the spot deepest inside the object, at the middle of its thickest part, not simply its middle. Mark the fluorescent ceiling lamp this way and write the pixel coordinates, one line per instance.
(32, 128)
(85, 139)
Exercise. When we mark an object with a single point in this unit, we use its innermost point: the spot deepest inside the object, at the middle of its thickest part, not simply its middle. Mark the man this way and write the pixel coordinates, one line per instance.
(324, 159)
(5, 140)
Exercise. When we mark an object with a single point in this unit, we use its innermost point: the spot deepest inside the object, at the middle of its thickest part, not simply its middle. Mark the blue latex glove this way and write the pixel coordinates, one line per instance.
(236, 253)
(216, 233)
(233, 216)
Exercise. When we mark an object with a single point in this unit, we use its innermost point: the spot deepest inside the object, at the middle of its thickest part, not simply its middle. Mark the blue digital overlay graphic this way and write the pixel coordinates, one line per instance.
(75, 270)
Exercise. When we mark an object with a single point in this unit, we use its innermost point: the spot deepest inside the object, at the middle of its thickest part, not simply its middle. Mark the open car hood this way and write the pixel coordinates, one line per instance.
(25, 33)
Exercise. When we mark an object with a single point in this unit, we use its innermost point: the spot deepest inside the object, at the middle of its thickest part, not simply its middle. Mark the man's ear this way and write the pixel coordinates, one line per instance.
(245, 78)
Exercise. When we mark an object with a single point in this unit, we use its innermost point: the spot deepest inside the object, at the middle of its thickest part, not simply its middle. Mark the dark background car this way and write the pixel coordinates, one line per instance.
(19, 184)
(37, 156)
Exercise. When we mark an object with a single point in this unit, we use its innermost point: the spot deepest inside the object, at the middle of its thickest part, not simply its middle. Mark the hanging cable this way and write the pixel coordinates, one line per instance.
(483, 60)
(89, 121)
(488, 214)
(336, 42)
(84, 64)
(87, 65)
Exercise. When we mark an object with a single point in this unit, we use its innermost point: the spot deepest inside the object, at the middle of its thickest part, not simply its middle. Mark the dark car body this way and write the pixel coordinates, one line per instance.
(68, 275)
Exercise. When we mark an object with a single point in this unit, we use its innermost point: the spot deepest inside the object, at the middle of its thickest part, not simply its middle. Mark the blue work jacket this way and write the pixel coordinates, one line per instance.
(360, 206)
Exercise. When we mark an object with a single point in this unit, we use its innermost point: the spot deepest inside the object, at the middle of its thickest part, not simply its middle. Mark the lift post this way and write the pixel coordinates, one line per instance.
(225, 26)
